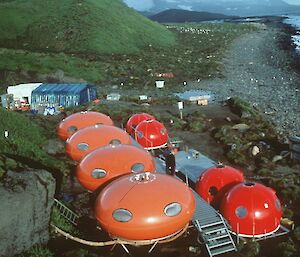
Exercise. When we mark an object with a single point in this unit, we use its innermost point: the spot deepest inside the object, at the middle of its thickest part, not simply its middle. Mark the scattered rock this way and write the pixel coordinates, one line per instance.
(54, 146)
(242, 127)
(277, 158)
(26, 200)
(228, 119)
(255, 150)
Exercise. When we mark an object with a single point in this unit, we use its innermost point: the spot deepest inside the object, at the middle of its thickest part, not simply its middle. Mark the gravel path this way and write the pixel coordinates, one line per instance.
(258, 71)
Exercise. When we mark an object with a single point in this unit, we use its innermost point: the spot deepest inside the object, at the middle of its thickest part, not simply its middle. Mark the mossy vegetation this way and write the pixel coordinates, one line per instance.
(190, 52)
(252, 131)
(23, 147)
(76, 26)
(59, 221)
(249, 249)
(37, 251)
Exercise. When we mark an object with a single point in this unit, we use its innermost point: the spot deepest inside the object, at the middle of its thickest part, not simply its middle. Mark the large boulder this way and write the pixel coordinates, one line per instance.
(26, 199)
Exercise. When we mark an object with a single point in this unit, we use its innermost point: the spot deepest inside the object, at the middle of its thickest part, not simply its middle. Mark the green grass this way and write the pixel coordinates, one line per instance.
(25, 142)
(37, 251)
(58, 220)
(194, 56)
(77, 26)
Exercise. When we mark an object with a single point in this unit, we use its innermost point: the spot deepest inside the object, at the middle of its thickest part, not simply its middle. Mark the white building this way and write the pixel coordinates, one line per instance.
(22, 92)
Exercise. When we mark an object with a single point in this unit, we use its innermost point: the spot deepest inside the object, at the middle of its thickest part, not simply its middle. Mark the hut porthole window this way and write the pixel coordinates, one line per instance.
(241, 212)
(137, 168)
(172, 209)
(140, 134)
(277, 204)
(163, 131)
(115, 142)
(82, 146)
(213, 191)
(98, 173)
(72, 129)
(122, 215)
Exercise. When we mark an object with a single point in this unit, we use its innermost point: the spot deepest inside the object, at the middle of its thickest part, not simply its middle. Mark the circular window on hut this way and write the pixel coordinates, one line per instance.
(241, 212)
(98, 173)
(115, 142)
(213, 191)
(278, 205)
(122, 215)
(140, 134)
(72, 129)
(163, 131)
(137, 168)
(172, 209)
(82, 146)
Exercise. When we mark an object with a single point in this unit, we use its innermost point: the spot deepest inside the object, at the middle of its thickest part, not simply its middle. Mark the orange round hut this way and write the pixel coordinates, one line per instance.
(252, 210)
(151, 134)
(77, 121)
(88, 139)
(145, 206)
(216, 181)
(106, 163)
(135, 120)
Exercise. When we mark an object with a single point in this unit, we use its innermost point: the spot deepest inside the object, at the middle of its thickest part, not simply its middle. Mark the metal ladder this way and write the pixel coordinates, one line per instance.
(216, 237)
(68, 214)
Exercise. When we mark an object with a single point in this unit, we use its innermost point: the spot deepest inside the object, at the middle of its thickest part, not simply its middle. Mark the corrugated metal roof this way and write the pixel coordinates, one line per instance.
(60, 88)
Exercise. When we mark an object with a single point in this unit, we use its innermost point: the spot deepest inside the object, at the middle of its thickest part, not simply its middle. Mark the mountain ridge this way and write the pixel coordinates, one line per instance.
(231, 7)
(180, 16)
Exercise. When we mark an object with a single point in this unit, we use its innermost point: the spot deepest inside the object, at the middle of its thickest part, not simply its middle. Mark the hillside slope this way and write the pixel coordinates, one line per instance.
(77, 26)
(175, 15)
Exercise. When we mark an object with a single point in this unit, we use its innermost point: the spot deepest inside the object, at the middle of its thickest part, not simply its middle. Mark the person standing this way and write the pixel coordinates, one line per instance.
(170, 161)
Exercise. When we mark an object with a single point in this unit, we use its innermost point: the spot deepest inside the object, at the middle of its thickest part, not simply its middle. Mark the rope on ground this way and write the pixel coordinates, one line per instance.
(118, 241)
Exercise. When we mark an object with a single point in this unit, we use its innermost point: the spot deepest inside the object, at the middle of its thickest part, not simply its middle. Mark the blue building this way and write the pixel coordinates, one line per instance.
(67, 95)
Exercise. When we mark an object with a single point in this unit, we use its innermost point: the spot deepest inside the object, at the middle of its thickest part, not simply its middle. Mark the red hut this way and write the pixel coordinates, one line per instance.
(215, 182)
(145, 206)
(88, 139)
(106, 163)
(135, 120)
(252, 210)
(76, 121)
(151, 134)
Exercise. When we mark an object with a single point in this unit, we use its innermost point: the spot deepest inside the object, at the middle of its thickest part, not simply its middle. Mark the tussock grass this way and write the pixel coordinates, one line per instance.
(77, 26)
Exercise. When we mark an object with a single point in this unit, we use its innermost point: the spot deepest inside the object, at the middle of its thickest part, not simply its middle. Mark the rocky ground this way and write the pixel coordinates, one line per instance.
(258, 70)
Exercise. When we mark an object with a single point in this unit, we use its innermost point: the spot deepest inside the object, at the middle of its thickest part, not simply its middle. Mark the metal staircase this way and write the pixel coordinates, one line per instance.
(211, 225)
(66, 212)
(212, 228)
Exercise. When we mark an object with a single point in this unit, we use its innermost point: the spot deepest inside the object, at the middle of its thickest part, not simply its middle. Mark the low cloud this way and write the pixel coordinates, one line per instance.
(140, 5)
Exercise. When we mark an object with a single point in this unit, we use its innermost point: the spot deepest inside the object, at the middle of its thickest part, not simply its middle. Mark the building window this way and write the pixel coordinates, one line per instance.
(122, 215)
(72, 129)
(82, 146)
(140, 134)
(98, 173)
(241, 212)
(172, 209)
(213, 191)
(137, 168)
(115, 142)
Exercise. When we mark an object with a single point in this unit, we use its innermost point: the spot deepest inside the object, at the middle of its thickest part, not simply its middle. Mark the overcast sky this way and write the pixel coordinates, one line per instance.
(146, 4)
